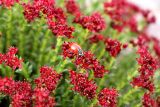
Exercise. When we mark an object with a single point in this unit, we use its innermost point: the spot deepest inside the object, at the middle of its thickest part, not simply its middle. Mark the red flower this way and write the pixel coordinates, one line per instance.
(122, 14)
(125, 46)
(55, 16)
(41, 98)
(148, 16)
(72, 7)
(86, 61)
(148, 101)
(96, 38)
(8, 3)
(19, 92)
(1, 58)
(132, 24)
(108, 97)
(44, 2)
(60, 29)
(59, 15)
(31, 12)
(22, 95)
(89, 62)
(94, 23)
(7, 86)
(148, 65)
(49, 78)
(10, 59)
(113, 47)
(82, 85)
(143, 82)
(99, 71)
(147, 62)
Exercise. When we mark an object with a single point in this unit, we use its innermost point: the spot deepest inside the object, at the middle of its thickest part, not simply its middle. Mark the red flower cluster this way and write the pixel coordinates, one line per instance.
(144, 82)
(48, 78)
(10, 59)
(123, 14)
(82, 85)
(148, 16)
(96, 38)
(45, 84)
(8, 3)
(148, 101)
(42, 98)
(60, 29)
(20, 92)
(31, 12)
(88, 62)
(94, 23)
(108, 97)
(147, 62)
(55, 16)
(141, 41)
(113, 46)
(148, 65)
(72, 7)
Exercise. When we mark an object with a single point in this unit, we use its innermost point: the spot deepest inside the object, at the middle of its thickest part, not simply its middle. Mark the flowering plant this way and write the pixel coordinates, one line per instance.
(63, 53)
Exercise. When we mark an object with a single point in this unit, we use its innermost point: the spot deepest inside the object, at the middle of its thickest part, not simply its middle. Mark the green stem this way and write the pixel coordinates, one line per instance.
(1, 45)
(43, 48)
(21, 44)
(58, 45)
(93, 48)
(9, 27)
(75, 101)
(101, 53)
(25, 72)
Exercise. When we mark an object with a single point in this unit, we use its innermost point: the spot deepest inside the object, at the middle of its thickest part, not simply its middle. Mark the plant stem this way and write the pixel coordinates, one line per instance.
(58, 45)
(43, 47)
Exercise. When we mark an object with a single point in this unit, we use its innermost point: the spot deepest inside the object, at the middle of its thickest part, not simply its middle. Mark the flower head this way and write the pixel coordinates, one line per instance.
(94, 23)
(96, 38)
(144, 82)
(31, 12)
(8, 3)
(113, 47)
(108, 97)
(147, 101)
(60, 29)
(147, 63)
(72, 7)
(82, 85)
(10, 59)
(41, 98)
(49, 78)
(19, 92)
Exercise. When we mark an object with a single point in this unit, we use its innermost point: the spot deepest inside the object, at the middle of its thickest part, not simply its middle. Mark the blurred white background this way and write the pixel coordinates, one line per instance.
(154, 6)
